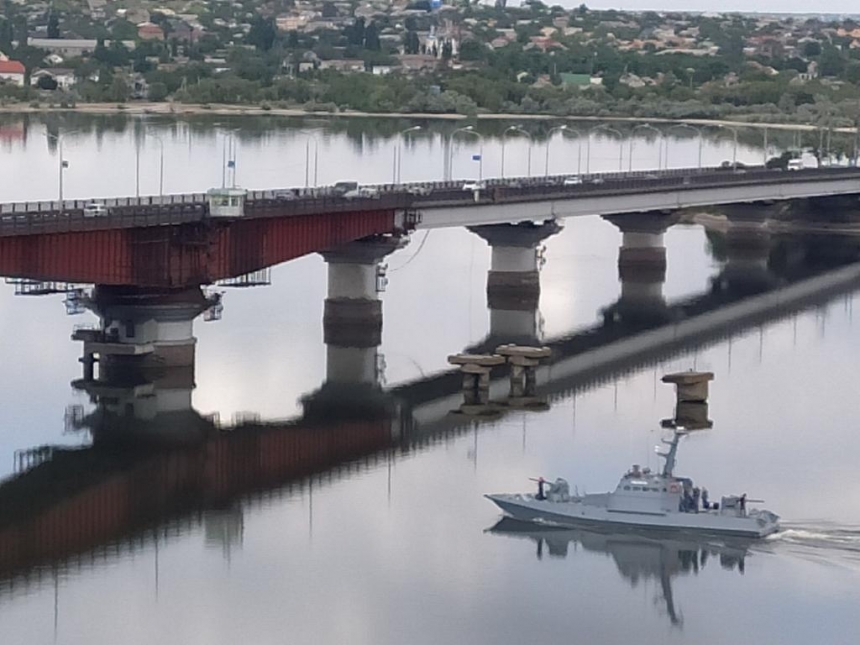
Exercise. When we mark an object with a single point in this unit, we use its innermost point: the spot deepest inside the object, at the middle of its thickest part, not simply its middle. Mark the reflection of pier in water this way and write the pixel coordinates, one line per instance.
(156, 462)
(638, 556)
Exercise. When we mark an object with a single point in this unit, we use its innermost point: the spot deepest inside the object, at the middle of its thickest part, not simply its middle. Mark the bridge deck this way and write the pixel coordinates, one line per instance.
(44, 217)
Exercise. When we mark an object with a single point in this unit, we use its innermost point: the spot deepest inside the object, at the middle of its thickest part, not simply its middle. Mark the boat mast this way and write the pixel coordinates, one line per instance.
(669, 456)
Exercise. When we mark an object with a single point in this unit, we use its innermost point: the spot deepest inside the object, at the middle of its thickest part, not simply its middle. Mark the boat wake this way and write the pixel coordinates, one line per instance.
(820, 540)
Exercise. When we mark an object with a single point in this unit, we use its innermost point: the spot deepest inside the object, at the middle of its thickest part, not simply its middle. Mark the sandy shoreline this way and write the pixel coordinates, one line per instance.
(191, 109)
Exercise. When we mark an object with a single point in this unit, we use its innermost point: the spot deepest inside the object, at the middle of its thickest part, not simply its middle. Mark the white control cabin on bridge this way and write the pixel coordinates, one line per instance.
(227, 202)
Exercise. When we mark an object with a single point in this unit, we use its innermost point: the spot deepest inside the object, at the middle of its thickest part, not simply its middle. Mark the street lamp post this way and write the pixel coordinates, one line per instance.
(644, 126)
(518, 129)
(228, 157)
(687, 126)
(137, 167)
(308, 138)
(63, 164)
(160, 162)
(467, 130)
(735, 147)
(563, 129)
(588, 146)
(398, 151)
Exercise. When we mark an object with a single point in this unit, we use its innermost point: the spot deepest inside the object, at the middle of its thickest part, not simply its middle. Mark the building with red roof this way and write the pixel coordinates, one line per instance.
(12, 71)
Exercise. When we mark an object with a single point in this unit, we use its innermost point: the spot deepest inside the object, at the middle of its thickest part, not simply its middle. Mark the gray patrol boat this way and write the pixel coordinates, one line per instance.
(642, 499)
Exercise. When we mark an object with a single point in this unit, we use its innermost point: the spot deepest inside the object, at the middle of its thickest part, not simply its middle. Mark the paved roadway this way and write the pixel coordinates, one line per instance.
(45, 217)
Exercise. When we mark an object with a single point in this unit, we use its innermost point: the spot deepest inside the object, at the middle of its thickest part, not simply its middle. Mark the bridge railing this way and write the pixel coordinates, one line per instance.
(22, 217)
(69, 205)
(121, 216)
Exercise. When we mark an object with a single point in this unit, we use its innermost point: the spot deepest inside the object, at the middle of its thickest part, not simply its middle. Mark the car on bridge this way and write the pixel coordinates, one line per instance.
(575, 180)
(474, 185)
(95, 209)
(344, 187)
(365, 192)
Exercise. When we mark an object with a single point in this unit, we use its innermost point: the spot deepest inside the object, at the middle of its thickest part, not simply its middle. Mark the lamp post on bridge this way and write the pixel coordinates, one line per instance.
(469, 129)
(308, 138)
(518, 129)
(63, 164)
(686, 126)
(607, 128)
(398, 151)
(735, 148)
(160, 162)
(644, 126)
(228, 156)
(563, 129)
(147, 133)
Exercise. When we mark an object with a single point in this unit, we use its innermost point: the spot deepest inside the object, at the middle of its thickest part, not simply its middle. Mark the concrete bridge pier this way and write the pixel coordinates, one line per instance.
(641, 267)
(513, 280)
(142, 326)
(352, 313)
(352, 330)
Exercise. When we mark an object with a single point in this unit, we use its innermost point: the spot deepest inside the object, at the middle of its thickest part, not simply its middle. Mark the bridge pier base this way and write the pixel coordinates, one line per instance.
(142, 326)
(642, 248)
(352, 330)
(641, 267)
(513, 281)
(352, 313)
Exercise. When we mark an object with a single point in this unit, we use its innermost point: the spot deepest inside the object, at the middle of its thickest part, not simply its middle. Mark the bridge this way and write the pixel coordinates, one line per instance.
(174, 242)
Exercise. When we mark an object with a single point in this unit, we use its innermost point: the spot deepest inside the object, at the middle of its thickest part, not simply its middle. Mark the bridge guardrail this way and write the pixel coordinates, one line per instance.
(21, 218)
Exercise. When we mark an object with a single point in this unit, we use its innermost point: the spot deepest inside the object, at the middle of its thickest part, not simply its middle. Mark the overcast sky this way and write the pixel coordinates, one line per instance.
(762, 6)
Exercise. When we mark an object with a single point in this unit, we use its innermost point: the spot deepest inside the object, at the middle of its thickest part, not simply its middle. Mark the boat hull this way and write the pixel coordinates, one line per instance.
(577, 514)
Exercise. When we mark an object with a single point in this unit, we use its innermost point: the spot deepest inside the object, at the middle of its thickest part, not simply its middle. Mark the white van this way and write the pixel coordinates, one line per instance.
(795, 164)
(94, 209)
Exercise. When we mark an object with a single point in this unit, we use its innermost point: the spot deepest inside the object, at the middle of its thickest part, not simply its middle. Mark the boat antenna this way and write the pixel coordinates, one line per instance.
(669, 456)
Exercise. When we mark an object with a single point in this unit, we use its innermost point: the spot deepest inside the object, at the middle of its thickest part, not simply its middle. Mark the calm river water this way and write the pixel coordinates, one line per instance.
(392, 544)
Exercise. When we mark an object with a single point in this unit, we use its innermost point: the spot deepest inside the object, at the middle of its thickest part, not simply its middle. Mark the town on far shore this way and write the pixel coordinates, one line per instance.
(429, 56)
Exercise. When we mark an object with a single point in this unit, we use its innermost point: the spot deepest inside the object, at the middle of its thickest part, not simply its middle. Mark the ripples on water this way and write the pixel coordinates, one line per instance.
(829, 542)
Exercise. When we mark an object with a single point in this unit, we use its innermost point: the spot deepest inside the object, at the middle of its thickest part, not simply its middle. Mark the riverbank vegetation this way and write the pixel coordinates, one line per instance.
(465, 59)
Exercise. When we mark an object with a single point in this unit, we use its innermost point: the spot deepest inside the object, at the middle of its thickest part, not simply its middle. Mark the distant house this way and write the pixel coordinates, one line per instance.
(12, 72)
(71, 47)
(417, 62)
(97, 8)
(343, 65)
(811, 72)
(544, 43)
(149, 31)
(580, 80)
(65, 78)
(182, 31)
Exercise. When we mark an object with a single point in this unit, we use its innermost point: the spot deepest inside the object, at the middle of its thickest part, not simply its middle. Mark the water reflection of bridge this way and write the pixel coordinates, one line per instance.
(155, 461)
